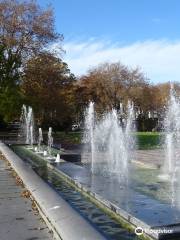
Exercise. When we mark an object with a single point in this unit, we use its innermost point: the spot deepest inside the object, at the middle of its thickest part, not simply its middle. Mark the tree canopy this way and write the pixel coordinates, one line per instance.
(25, 27)
(26, 30)
(10, 95)
(111, 83)
(47, 84)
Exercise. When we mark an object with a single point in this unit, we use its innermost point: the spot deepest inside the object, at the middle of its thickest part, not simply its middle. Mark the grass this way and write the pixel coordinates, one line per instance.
(149, 140)
(145, 140)
(70, 137)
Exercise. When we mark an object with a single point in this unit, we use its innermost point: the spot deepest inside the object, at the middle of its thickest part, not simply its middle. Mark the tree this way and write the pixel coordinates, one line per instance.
(48, 85)
(25, 28)
(10, 95)
(109, 84)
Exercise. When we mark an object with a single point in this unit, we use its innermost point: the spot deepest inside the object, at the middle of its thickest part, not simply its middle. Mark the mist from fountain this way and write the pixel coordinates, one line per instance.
(88, 137)
(110, 142)
(58, 159)
(171, 168)
(40, 139)
(31, 135)
(27, 125)
(50, 141)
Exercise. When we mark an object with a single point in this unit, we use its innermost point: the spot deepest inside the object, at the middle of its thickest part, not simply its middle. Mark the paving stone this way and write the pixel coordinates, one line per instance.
(17, 219)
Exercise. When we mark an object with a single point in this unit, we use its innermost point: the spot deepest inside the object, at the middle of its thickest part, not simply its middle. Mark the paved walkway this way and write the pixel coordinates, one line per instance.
(148, 158)
(17, 219)
(154, 157)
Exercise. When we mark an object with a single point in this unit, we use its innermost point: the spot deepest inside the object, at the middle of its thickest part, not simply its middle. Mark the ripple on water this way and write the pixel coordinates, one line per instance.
(90, 211)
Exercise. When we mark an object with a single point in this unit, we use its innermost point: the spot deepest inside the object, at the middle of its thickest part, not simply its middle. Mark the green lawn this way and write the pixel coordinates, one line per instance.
(145, 140)
(149, 140)
(70, 137)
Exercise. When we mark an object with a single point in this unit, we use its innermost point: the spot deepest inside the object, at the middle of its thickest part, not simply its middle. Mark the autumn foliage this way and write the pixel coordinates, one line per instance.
(31, 73)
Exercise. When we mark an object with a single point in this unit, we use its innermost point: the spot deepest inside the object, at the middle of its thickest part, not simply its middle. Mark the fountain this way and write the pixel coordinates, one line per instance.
(50, 141)
(45, 153)
(31, 135)
(27, 125)
(58, 159)
(110, 142)
(171, 168)
(88, 133)
(40, 139)
(130, 189)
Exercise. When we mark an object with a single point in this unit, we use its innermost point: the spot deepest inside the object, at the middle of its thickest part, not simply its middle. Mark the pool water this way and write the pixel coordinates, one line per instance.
(145, 197)
(105, 224)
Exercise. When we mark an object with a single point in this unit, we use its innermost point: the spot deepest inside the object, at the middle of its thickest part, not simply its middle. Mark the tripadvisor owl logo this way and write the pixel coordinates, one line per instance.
(139, 231)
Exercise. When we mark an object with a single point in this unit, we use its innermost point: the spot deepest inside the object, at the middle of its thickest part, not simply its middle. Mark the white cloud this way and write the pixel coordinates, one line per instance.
(158, 59)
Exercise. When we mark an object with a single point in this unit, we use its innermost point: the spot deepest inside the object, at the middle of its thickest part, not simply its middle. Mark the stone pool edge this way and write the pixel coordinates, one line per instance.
(59, 216)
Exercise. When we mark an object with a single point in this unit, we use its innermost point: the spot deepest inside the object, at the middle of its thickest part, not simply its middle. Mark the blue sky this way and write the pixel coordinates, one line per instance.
(143, 33)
